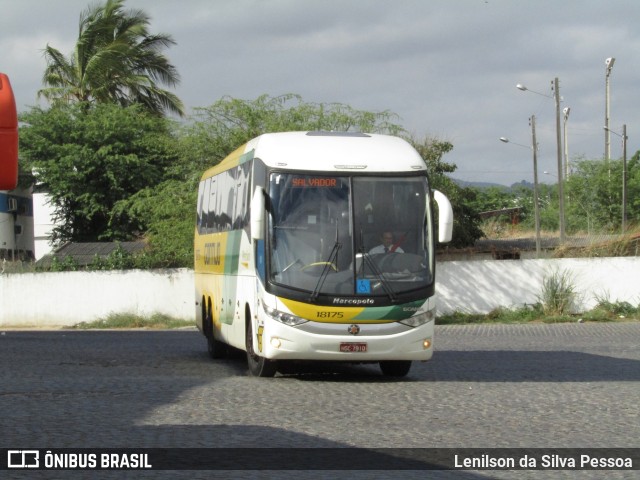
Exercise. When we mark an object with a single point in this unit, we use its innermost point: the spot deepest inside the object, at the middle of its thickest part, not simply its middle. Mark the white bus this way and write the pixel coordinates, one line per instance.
(290, 260)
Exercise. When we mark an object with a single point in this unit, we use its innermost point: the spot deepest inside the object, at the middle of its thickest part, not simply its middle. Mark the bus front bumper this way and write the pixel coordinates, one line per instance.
(283, 342)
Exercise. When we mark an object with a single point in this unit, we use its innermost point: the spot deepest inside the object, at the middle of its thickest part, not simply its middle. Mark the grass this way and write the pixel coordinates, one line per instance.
(557, 294)
(156, 321)
(503, 315)
(604, 311)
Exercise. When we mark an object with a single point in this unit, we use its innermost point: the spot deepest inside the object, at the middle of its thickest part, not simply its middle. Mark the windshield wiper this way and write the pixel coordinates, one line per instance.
(376, 271)
(380, 276)
(328, 264)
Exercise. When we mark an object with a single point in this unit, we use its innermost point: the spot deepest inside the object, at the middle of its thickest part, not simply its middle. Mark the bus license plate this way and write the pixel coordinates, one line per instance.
(353, 347)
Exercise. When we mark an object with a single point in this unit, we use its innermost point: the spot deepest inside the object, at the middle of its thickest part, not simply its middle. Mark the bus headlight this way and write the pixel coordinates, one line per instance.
(419, 319)
(282, 317)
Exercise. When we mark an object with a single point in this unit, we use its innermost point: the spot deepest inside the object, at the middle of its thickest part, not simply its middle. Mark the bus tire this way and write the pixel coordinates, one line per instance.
(395, 368)
(216, 348)
(258, 365)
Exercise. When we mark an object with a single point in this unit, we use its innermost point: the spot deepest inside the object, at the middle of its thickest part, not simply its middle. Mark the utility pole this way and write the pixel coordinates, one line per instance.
(567, 169)
(624, 178)
(556, 95)
(607, 137)
(536, 206)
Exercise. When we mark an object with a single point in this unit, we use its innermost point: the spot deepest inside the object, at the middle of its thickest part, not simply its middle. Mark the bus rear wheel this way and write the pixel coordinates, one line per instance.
(395, 368)
(216, 348)
(258, 365)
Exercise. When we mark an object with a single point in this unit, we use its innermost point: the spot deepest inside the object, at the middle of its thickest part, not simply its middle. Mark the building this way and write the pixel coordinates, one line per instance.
(17, 225)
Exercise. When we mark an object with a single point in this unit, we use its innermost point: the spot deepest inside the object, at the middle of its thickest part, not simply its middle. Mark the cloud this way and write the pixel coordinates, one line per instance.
(448, 68)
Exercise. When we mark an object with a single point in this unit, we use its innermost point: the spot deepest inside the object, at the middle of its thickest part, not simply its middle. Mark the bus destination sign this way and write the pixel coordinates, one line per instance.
(315, 182)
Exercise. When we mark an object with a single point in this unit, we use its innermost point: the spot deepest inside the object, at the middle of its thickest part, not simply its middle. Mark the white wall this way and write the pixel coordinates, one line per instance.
(479, 287)
(68, 298)
(57, 299)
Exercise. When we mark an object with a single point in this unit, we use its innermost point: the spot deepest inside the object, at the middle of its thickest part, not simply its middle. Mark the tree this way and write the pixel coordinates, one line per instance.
(89, 158)
(466, 222)
(115, 59)
(633, 189)
(595, 194)
(494, 198)
(230, 122)
(166, 213)
(594, 199)
(167, 210)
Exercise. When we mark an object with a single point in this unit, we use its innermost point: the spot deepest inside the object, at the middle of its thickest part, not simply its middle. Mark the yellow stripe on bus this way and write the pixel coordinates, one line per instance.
(324, 314)
(234, 159)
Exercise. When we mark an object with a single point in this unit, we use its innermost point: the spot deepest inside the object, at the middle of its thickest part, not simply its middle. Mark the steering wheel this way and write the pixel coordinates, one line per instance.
(318, 264)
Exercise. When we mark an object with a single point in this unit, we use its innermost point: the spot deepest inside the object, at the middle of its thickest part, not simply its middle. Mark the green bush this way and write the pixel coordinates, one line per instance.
(558, 293)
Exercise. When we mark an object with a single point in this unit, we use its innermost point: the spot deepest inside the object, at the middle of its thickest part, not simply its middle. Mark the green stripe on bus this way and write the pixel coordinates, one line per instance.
(396, 312)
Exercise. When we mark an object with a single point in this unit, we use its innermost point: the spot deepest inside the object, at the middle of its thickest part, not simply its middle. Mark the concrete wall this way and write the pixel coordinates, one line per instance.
(68, 298)
(479, 287)
(56, 299)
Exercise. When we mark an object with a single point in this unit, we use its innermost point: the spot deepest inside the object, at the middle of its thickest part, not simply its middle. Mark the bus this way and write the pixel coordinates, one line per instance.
(286, 259)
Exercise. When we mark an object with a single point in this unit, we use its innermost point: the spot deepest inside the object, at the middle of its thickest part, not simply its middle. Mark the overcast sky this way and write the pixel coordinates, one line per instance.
(447, 68)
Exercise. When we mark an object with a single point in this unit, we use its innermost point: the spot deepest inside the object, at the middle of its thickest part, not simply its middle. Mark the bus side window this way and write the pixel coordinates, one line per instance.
(199, 209)
(243, 197)
(227, 201)
(206, 205)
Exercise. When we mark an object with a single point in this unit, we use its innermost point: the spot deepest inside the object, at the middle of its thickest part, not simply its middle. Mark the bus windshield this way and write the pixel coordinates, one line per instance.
(358, 236)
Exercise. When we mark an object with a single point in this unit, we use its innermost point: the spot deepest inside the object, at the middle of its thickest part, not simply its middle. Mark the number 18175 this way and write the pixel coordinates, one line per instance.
(330, 315)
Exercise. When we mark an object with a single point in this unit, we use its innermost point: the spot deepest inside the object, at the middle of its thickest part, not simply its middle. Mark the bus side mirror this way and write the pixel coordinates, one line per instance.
(257, 214)
(445, 216)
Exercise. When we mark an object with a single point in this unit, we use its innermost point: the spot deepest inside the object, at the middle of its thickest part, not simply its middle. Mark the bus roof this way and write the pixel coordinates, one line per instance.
(328, 151)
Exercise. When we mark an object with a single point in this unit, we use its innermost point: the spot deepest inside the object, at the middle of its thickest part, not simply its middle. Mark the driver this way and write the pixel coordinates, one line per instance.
(387, 245)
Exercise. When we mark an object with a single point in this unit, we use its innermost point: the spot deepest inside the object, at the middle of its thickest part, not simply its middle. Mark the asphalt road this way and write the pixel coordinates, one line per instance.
(544, 386)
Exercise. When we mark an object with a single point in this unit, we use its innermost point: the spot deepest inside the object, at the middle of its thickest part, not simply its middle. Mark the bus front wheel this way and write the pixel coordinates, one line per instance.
(395, 368)
(258, 365)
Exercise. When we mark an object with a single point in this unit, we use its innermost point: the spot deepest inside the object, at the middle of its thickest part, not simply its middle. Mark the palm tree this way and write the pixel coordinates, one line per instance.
(116, 59)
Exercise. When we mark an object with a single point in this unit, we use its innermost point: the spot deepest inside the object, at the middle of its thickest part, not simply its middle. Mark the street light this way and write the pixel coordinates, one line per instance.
(506, 140)
(624, 173)
(556, 96)
(608, 65)
(536, 207)
(525, 89)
